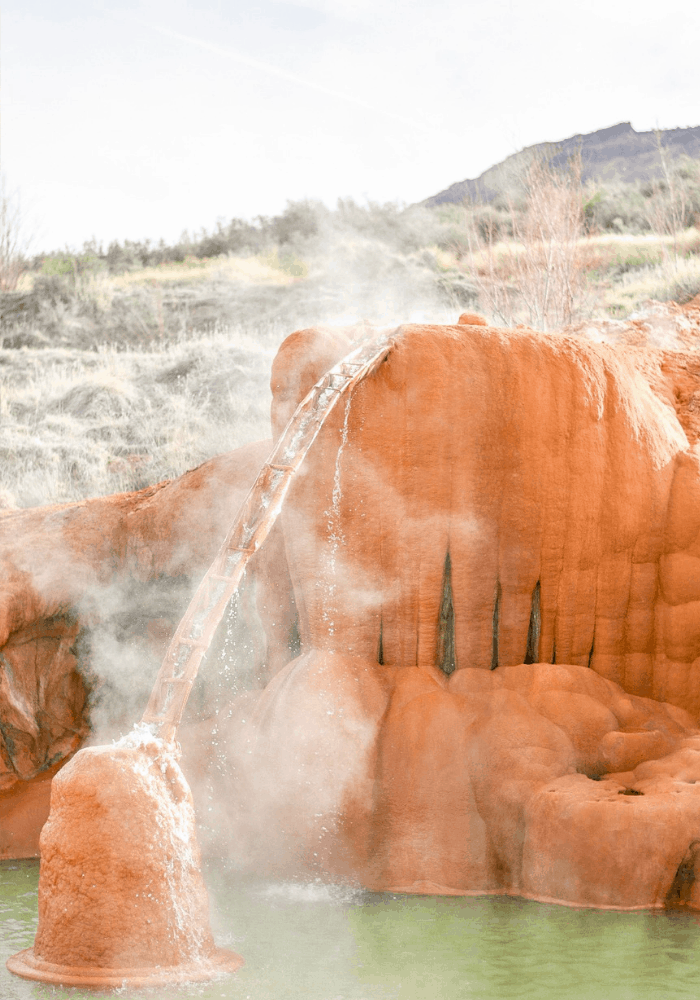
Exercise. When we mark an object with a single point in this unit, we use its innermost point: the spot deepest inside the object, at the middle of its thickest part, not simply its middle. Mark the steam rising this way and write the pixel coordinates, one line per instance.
(128, 608)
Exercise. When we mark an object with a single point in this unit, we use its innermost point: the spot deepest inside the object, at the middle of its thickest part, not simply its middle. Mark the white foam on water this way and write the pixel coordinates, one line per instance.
(310, 892)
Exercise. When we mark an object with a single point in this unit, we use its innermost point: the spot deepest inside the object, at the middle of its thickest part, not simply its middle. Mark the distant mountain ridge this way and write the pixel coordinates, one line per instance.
(615, 153)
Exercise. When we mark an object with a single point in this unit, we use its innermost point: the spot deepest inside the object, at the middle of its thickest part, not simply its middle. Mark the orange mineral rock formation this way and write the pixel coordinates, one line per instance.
(61, 568)
(508, 496)
(492, 548)
(490, 560)
(540, 780)
(121, 895)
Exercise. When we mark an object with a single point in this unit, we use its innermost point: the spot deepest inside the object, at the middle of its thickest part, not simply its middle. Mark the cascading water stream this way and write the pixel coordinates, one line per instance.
(336, 537)
(252, 525)
(122, 817)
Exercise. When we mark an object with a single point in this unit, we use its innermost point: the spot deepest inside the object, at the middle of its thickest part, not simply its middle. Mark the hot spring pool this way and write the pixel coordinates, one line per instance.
(316, 942)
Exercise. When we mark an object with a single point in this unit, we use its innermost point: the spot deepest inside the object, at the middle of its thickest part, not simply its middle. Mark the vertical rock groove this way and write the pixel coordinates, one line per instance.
(446, 657)
(682, 886)
(494, 633)
(380, 651)
(532, 653)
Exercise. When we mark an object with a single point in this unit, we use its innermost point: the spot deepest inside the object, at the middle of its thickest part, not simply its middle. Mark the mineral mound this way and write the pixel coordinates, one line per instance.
(481, 618)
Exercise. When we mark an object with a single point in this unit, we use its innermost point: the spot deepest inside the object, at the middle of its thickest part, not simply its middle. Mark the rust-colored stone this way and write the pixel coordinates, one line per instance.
(486, 781)
(121, 896)
(491, 558)
(539, 465)
(57, 564)
(536, 497)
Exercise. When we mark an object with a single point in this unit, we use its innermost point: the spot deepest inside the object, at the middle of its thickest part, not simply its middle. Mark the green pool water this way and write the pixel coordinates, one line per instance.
(320, 942)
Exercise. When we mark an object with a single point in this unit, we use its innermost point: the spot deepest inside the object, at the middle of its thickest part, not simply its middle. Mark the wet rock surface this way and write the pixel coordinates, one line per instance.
(121, 895)
(488, 566)
(128, 562)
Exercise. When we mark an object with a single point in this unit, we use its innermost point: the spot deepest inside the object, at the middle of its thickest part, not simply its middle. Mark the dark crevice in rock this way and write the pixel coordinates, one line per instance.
(496, 615)
(380, 650)
(532, 652)
(446, 658)
(629, 791)
(554, 652)
(590, 655)
(682, 886)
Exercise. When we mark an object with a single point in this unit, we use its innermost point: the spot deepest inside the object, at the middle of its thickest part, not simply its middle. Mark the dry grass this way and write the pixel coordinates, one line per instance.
(130, 380)
(261, 269)
(629, 252)
(606, 250)
(669, 280)
(75, 423)
(113, 386)
(621, 272)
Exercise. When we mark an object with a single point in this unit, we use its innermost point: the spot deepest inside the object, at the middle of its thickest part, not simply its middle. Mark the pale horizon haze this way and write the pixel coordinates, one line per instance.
(142, 119)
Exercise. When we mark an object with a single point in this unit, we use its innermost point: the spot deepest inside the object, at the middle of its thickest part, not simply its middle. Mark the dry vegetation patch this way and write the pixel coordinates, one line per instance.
(77, 423)
(123, 367)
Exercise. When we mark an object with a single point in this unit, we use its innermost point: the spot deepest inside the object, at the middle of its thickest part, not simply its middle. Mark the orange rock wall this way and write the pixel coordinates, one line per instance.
(556, 477)
(488, 499)
(539, 780)
(492, 515)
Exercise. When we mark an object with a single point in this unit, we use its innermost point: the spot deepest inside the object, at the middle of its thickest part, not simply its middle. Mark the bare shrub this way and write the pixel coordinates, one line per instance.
(672, 196)
(539, 275)
(13, 239)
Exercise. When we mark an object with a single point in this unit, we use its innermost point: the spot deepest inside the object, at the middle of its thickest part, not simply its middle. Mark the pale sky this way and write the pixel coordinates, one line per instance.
(141, 119)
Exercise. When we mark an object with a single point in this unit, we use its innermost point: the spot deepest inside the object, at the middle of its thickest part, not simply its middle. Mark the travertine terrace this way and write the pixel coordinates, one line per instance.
(491, 560)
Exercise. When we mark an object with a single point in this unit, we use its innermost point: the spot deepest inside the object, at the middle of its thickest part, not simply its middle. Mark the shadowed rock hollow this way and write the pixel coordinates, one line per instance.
(492, 564)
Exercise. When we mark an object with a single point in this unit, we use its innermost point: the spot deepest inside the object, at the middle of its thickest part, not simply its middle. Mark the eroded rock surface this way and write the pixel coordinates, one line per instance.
(540, 780)
(506, 496)
(121, 894)
(489, 563)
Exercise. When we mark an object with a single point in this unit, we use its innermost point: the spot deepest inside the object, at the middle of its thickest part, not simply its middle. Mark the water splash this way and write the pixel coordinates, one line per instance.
(155, 763)
(311, 892)
(143, 735)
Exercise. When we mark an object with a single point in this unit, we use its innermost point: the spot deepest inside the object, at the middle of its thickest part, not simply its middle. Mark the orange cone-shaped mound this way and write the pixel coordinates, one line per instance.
(121, 894)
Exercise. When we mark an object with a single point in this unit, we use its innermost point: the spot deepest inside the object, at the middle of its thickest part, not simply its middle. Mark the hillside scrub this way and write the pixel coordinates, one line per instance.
(349, 277)
(380, 262)
(304, 228)
(111, 382)
(125, 367)
(354, 278)
(75, 424)
(539, 260)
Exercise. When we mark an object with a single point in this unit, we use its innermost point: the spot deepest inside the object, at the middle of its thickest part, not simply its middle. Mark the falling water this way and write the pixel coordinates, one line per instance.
(155, 764)
(336, 538)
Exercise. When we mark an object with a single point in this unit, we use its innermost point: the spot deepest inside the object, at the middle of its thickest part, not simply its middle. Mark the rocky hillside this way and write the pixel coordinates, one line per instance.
(610, 154)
